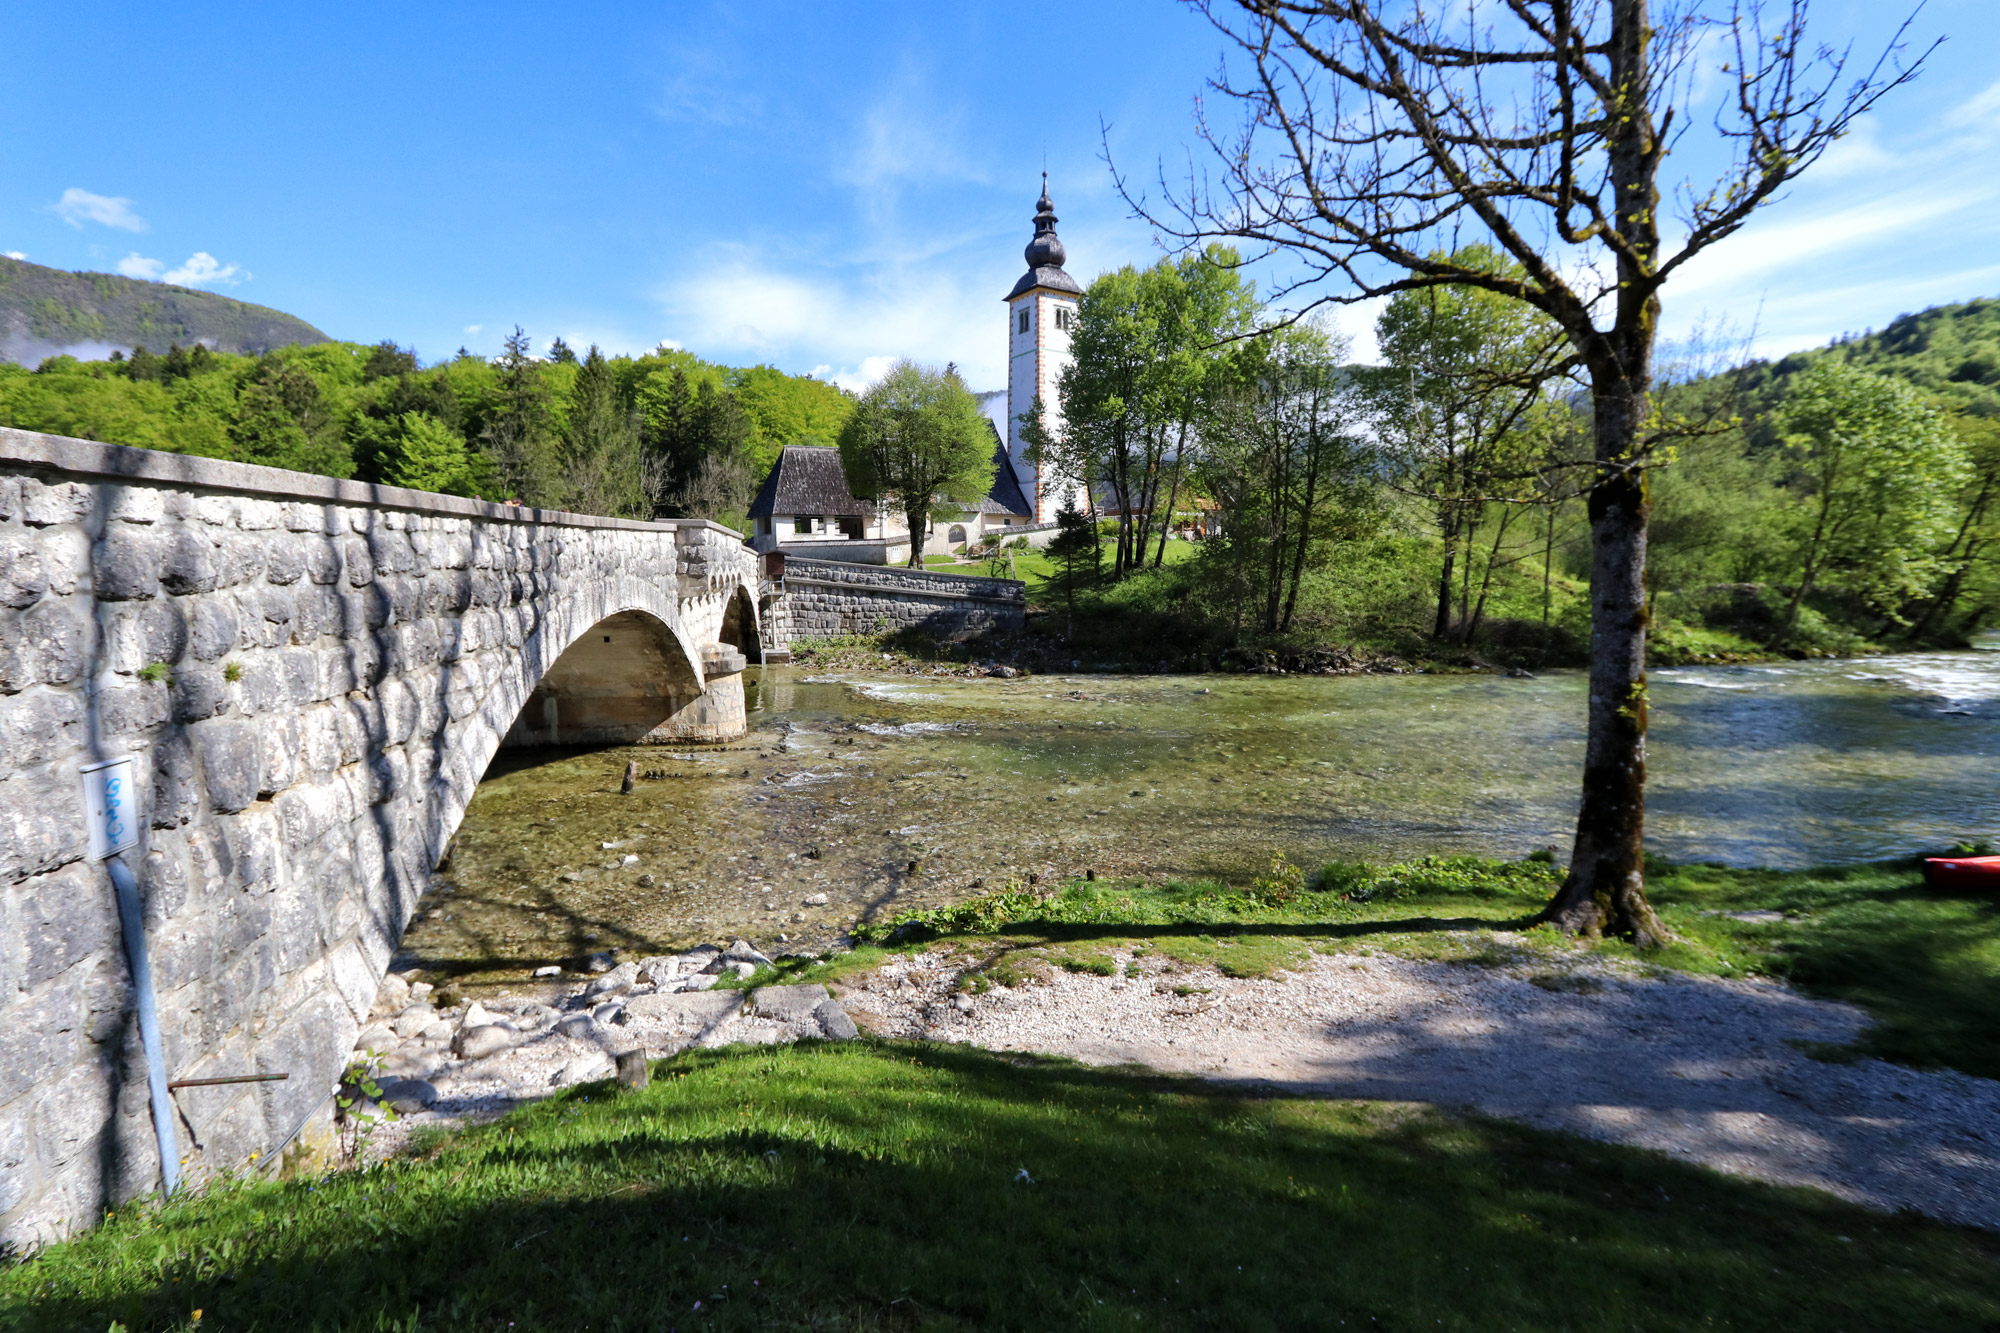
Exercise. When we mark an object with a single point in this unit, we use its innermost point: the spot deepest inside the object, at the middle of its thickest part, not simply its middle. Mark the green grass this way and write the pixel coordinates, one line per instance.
(881, 1186)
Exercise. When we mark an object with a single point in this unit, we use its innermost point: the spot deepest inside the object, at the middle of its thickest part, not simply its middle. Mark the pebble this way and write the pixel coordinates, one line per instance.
(817, 900)
(549, 971)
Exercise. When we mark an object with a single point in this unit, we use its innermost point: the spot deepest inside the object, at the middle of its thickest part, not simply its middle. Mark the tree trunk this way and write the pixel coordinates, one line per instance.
(919, 524)
(1548, 559)
(1486, 580)
(1448, 525)
(1605, 892)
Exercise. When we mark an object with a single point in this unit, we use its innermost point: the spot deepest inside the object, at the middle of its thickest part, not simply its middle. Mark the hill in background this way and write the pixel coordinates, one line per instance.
(44, 311)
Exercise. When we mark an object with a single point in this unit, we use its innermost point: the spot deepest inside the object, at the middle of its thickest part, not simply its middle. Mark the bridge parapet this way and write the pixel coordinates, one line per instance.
(311, 676)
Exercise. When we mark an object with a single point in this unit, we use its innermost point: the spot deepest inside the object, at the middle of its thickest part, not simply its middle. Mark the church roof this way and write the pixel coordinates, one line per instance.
(1006, 497)
(806, 479)
(1049, 276)
(1045, 253)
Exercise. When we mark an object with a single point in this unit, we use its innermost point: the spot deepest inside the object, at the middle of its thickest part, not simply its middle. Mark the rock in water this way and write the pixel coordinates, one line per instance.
(631, 778)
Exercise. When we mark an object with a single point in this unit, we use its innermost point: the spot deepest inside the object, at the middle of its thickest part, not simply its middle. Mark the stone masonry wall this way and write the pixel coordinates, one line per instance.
(312, 675)
(825, 598)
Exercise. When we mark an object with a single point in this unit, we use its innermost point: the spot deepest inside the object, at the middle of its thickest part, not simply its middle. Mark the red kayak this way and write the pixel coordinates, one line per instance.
(1963, 872)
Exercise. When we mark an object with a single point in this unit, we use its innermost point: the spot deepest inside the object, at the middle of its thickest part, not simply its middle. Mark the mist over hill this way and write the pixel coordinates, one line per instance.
(44, 311)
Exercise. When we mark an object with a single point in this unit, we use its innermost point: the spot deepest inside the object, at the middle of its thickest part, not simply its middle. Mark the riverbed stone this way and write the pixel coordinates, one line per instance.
(480, 1042)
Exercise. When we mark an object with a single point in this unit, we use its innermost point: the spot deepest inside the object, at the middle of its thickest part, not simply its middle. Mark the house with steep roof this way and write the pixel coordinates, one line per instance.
(805, 507)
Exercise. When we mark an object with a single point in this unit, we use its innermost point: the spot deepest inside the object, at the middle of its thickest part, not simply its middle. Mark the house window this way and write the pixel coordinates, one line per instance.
(1024, 320)
(806, 523)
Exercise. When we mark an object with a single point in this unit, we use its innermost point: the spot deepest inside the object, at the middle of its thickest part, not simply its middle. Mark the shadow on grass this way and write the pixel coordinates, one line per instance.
(875, 1186)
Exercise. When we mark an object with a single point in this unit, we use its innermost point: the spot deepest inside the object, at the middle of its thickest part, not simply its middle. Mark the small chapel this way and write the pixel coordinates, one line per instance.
(804, 506)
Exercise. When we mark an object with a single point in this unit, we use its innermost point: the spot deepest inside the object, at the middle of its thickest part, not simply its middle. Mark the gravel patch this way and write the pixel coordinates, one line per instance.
(1706, 1070)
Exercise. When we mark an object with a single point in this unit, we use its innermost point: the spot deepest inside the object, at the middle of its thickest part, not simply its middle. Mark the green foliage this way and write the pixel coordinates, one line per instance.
(157, 673)
(917, 439)
(427, 455)
(1880, 475)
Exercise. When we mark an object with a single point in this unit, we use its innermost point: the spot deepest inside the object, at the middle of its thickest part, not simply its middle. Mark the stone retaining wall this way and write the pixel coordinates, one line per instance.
(826, 598)
(312, 675)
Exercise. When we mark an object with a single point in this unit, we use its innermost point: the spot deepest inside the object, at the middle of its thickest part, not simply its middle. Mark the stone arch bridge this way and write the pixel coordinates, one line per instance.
(312, 676)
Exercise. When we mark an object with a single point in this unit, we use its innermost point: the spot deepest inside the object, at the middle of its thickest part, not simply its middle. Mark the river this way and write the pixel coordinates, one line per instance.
(842, 784)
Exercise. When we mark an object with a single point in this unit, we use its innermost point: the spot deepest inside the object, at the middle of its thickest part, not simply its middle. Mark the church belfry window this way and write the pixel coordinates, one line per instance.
(1065, 318)
(1023, 328)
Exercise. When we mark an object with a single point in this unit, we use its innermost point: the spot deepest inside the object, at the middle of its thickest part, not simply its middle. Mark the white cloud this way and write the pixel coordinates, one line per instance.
(77, 207)
(474, 328)
(872, 369)
(1978, 112)
(202, 269)
(16, 254)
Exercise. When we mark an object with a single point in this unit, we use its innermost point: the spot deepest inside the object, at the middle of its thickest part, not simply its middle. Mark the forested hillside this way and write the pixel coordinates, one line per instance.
(632, 436)
(44, 309)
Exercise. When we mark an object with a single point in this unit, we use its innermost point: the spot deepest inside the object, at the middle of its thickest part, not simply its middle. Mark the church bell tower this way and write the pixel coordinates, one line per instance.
(1041, 317)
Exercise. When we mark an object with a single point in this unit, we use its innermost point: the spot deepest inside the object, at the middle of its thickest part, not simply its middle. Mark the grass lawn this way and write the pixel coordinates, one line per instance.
(905, 1186)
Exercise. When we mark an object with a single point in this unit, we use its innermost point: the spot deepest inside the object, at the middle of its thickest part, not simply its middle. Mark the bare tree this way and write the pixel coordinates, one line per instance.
(1377, 136)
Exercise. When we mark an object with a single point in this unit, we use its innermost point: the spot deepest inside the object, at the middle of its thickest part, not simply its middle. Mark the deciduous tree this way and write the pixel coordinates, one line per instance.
(1377, 136)
(917, 440)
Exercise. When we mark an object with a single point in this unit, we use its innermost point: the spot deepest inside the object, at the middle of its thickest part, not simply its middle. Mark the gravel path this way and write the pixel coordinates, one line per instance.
(1703, 1069)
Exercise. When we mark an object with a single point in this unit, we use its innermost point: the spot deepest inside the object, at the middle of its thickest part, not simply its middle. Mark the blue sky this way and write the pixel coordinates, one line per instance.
(824, 187)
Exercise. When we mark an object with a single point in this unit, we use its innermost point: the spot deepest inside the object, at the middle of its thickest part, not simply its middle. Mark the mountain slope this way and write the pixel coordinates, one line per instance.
(46, 310)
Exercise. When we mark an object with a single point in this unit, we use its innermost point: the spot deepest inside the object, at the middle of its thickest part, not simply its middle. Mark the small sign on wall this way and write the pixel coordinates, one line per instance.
(111, 798)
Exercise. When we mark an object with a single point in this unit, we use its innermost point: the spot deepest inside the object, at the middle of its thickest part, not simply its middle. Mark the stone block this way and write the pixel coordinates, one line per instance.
(229, 762)
(213, 628)
(275, 608)
(284, 560)
(787, 1004)
(34, 727)
(18, 1174)
(125, 710)
(280, 751)
(216, 510)
(256, 515)
(254, 848)
(188, 561)
(64, 917)
(41, 824)
(144, 633)
(322, 557)
(163, 885)
(198, 692)
(125, 565)
(176, 794)
(10, 497)
(47, 505)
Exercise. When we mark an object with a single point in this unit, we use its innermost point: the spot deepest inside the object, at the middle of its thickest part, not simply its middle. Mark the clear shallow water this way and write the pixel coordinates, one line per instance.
(841, 784)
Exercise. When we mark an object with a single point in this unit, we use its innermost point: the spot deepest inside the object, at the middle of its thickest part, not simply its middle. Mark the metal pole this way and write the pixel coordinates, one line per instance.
(133, 923)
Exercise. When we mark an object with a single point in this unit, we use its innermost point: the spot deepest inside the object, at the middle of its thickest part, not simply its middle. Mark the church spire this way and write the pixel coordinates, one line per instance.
(1045, 251)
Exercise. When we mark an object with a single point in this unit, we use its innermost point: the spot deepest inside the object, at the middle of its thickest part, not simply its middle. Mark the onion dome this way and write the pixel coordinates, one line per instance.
(1045, 253)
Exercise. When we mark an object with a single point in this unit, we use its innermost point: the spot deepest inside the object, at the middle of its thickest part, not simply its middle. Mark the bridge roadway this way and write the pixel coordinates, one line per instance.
(312, 676)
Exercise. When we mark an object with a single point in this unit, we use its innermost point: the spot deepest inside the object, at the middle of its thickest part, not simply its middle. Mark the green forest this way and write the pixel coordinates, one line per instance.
(664, 433)
(1839, 501)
